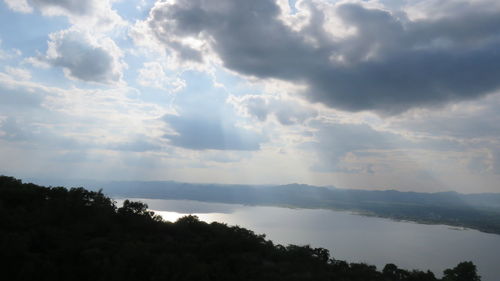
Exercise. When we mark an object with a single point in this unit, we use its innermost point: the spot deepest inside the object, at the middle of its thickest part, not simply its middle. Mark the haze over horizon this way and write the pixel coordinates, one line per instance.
(354, 94)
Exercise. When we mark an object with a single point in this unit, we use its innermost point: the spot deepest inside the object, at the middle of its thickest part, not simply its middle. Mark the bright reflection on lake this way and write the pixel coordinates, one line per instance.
(351, 237)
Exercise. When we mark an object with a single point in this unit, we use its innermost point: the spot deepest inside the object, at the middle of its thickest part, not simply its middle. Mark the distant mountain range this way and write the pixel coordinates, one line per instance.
(478, 211)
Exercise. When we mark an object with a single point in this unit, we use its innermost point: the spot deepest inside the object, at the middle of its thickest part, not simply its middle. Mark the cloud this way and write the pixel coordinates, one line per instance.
(496, 162)
(435, 9)
(86, 14)
(475, 124)
(379, 60)
(359, 147)
(33, 115)
(478, 119)
(152, 74)
(204, 120)
(141, 144)
(9, 54)
(21, 6)
(85, 58)
(286, 111)
(19, 73)
(209, 133)
(334, 141)
(24, 133)
(71, 6)
(13, 98)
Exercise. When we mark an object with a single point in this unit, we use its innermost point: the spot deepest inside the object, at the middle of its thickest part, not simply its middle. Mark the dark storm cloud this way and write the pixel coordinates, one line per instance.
(389, 64)
(200, 133)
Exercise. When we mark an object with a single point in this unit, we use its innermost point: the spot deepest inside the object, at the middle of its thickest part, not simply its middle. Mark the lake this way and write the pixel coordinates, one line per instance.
(352, 237)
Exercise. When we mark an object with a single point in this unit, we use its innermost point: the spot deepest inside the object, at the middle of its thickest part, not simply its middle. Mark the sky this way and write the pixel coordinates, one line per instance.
(376, 94)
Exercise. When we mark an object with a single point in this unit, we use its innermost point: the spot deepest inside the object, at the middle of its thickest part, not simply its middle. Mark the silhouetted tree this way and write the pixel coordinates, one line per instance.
(464, 271)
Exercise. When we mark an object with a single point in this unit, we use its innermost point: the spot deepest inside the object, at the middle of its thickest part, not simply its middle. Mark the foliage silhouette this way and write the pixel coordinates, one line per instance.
(464, 271)
(52, 233)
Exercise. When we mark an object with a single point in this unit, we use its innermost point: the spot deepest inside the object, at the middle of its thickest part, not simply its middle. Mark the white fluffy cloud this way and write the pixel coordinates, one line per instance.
(287, 111)
(153, 74)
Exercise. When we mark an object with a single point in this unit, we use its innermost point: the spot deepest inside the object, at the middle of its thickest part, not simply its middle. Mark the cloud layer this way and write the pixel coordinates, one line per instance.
(362, 94)
(379, 60)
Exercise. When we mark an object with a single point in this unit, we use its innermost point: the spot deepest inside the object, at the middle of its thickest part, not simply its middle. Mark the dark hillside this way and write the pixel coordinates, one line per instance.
(60, 234)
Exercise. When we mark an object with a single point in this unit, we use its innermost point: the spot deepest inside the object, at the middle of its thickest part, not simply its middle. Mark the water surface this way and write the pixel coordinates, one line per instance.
(352, 237)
